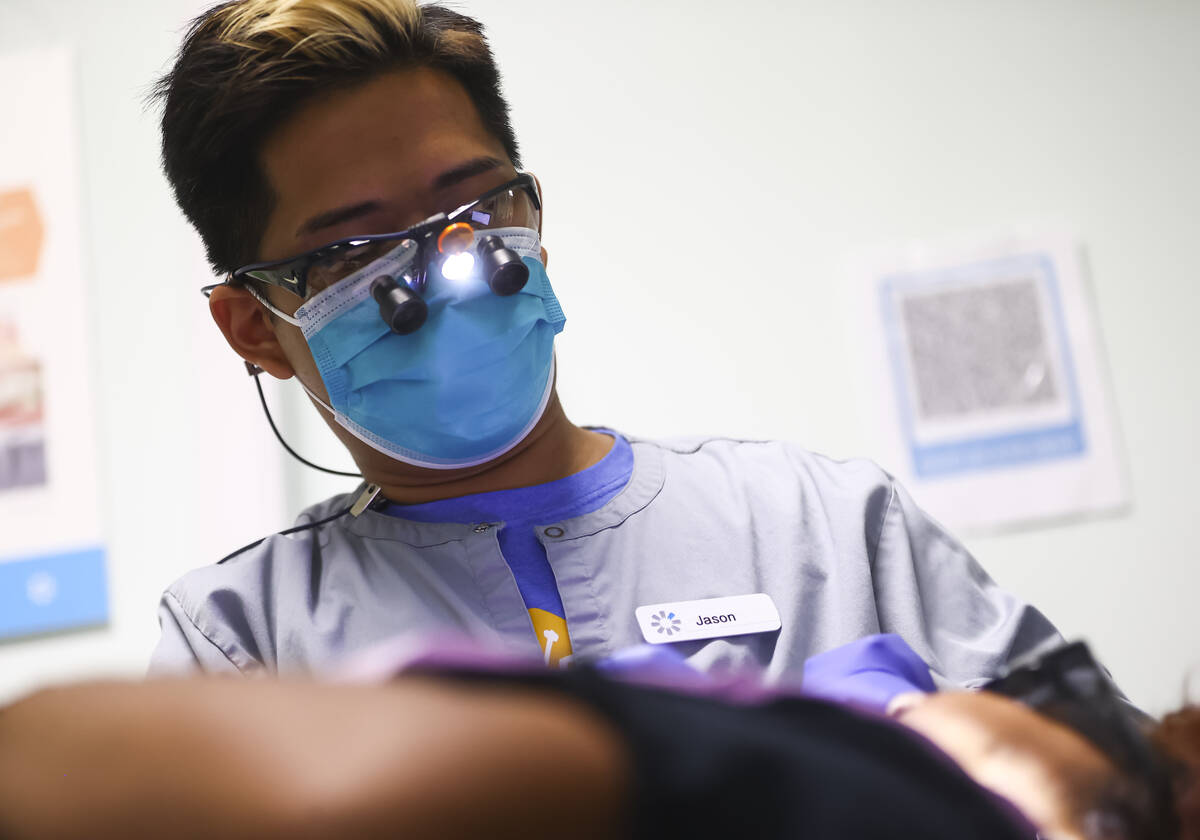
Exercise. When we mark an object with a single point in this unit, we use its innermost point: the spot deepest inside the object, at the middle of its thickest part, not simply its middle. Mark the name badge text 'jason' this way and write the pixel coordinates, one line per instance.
(709, 618)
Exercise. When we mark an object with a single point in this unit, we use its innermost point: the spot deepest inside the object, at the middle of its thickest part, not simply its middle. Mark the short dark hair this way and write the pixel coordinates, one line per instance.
(245, 66)
(1116, 806)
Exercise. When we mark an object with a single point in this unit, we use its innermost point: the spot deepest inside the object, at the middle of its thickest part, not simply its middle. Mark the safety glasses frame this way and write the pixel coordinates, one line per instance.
(291, 273)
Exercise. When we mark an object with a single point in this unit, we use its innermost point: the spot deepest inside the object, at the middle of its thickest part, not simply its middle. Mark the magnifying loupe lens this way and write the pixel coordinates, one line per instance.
(401, 308)
(504, 269)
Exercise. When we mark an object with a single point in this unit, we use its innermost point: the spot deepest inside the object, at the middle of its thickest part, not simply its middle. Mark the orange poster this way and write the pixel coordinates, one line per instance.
(20, 234)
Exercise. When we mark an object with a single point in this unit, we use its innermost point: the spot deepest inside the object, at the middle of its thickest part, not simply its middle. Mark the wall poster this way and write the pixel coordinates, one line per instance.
(52, 554)
(988, 382)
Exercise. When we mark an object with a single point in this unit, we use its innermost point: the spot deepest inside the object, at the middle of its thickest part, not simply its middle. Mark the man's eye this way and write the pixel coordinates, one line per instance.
(355, 258)
(489, 211)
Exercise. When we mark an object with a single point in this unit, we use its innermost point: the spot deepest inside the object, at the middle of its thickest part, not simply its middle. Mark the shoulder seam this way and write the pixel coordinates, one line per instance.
(183, 610)
(887, 509)
(693, 447)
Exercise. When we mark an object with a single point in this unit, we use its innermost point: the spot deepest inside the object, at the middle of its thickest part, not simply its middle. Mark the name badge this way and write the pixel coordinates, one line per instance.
(709, 618)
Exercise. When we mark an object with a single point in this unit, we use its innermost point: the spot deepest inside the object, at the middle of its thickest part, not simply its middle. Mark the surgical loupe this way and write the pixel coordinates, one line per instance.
(457, 256)
(454, 246)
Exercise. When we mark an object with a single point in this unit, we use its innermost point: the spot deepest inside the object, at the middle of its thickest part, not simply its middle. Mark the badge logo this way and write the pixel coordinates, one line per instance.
(665, 622)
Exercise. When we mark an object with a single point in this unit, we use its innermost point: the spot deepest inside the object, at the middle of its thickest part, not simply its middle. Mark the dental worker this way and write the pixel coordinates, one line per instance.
(352, 170)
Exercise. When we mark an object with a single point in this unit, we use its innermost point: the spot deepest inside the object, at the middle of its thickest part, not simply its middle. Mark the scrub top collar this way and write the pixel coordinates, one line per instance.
(643, 486)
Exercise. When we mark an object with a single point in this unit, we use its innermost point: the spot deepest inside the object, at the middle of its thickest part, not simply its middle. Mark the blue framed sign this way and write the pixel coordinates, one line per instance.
(981, 365)
(983, 378)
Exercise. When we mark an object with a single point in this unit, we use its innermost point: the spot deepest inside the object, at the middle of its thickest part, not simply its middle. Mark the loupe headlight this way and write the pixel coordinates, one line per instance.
(454, 247)
(501, 267)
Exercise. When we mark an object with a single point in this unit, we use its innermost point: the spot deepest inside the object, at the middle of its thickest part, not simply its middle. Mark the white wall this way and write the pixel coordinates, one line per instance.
(662, 133)
(188, 468)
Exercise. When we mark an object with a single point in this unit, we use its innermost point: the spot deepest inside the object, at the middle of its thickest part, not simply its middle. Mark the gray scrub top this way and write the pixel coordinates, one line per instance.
(839, 546)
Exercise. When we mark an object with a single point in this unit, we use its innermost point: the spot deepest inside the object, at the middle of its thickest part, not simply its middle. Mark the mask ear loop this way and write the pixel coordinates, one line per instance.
(278, 313)
(254, 370)
(368, 493)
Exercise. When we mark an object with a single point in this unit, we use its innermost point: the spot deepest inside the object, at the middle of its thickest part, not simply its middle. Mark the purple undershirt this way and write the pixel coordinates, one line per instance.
(524, 508)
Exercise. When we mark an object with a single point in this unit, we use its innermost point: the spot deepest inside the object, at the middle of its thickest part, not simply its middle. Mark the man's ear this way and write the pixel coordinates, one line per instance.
(247, 327)
(541, 215)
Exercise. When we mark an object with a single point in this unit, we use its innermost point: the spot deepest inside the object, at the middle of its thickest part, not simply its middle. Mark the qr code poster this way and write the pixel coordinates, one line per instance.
(987, 378)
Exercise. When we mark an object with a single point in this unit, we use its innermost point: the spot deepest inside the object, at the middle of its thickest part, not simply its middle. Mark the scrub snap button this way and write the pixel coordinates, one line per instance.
(554, 532)
(481, 527)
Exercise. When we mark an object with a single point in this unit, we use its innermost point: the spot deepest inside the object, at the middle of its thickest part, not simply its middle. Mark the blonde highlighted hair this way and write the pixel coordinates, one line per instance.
(245, 66)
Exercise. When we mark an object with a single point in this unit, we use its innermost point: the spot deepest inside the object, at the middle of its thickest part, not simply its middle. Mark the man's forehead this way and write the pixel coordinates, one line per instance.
(399, 139)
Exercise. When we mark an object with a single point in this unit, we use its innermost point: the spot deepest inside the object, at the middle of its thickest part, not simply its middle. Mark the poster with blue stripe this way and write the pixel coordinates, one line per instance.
(52, 552)
(987, 381)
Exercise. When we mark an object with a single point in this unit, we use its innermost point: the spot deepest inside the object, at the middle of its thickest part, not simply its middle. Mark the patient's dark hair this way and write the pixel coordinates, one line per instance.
(246, 66)
(1121, 808)
(1177, 738)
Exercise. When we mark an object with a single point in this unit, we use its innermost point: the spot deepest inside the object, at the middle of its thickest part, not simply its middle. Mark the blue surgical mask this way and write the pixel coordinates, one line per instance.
(465, 388)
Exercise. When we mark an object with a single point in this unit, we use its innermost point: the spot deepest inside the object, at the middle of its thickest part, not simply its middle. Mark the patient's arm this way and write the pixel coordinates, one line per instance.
(215, 758)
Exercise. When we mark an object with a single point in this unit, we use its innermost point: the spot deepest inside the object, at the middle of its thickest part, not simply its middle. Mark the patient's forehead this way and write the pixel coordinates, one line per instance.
(1043, 767)
(1010, 725)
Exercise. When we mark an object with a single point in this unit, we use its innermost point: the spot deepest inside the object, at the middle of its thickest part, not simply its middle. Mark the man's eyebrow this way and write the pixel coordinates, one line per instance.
(447, 179)
(462, 172)
(337, 216)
